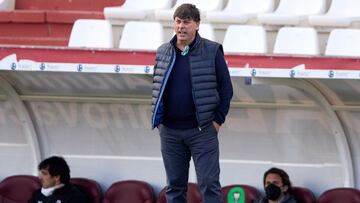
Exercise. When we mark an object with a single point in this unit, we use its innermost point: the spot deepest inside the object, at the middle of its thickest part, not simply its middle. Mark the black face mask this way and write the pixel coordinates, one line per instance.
(273, 192)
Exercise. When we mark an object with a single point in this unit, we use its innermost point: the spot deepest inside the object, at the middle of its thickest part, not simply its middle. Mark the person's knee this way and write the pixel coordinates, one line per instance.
(209, 183)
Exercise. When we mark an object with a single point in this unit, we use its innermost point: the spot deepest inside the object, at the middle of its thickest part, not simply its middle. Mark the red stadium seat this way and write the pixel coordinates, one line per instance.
(131, 191)
(343, 195)
(251, 193)
(18, 189)
(193, 194)
(90, 187)
(303, 195)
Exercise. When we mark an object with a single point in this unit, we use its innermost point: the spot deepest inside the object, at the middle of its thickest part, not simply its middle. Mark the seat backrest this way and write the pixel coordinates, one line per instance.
(245, 39)
(132, 36)
(146, 4)
(207, 31)
(91, 33)
(18, 188)
(203, 5)
(303, 195)
(249, 6)
(298, 7)
(193, 194)
(343, 42)
(70, 5)
(89, 187)
(251, 193)
(344, 7)
(131, 191)
(297, 40)
(7, 5)
(336, 195)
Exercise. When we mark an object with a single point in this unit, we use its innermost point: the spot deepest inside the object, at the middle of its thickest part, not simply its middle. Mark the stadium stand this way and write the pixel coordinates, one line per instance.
(83, 35)
(44, 22)
(245, 39)
(303, 195)
(40, 22)
(133, 35)
(203, 5)
(193, 194)
(343, 42)
(18, 188)
(129, 191)
(90, 187)
(240, 11)
(297, 40)
(336, 195)
(251, 193)
(293, 12)
(7, 5)
(136, 9)
(341, 14)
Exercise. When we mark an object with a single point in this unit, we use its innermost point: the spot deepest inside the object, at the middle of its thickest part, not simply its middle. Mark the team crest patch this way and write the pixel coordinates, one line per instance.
(236, 195)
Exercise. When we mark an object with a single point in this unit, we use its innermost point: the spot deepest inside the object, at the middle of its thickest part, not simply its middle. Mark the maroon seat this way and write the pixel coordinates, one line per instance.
(18, 189)
(193, 194)
(89, 187)
(131, 191)
(251, 193)
(340, 195)
(303, 195)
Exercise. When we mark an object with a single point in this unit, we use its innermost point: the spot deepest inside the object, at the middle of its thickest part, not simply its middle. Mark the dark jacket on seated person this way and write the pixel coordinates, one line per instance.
(288, 198)
(66, 194)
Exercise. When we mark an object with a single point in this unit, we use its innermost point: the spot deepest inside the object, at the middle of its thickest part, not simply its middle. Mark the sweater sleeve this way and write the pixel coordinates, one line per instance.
(224, 87)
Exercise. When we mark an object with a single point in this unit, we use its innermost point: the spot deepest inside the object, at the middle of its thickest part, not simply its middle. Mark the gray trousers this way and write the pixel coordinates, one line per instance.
(177, 147)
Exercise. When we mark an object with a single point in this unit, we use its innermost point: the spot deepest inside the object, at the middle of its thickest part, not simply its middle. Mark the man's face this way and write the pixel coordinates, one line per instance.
(185, 29)
(47, 180)
(276, 180)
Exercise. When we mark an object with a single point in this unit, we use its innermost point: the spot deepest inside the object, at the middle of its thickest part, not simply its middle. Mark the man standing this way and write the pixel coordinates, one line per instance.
(55, 179)
(191, 98)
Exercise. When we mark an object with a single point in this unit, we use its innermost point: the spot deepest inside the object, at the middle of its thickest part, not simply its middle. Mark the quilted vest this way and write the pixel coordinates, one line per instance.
(203, 78)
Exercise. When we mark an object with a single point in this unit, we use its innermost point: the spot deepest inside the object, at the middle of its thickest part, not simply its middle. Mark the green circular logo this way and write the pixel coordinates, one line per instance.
(236, 195)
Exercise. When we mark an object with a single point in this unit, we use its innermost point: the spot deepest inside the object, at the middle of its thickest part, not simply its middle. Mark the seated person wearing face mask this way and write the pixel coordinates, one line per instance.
(277, 187)
(54, 174)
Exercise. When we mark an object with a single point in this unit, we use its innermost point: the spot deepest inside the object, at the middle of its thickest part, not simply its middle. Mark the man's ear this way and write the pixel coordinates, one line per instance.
(57, 178)
(285, 188)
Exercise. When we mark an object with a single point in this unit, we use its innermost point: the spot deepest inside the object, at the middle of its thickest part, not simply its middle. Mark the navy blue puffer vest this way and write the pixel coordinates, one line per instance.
(203, 77)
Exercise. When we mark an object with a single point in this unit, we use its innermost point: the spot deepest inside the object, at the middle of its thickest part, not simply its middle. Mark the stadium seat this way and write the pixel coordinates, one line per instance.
(297, 40)
(139, 35)
(129, 191)
(203, 5)
(251, 193)
(303, 195)
(135, 9)
(293, 12)
(7, 5)
(337, 195)
(207, 31)
(90, 187)
(245, 39)
(343, 42)
(18, 188)
(91, 33)
(193, 194)
(341, 14)
(240, 11)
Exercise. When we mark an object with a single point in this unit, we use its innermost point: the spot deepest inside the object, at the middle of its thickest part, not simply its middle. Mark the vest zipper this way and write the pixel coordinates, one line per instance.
(162, 88)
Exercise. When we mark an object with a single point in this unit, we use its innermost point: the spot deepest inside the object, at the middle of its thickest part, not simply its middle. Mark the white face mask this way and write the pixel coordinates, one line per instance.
(49, 191)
